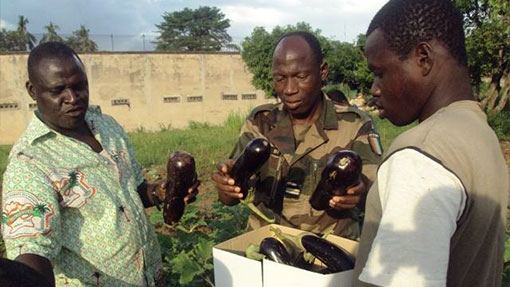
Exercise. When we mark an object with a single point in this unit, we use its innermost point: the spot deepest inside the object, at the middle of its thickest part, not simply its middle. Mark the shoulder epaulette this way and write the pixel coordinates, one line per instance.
(262, 108)
(353, 109)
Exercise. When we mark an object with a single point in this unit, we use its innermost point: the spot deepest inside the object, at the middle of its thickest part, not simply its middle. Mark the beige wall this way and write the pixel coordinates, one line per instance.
(144, 79)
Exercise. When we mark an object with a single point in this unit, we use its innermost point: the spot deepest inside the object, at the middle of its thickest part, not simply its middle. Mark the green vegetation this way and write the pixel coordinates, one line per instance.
(500, 122)
(188, 255)
(345, 60)
(201, 29)
(22, 40)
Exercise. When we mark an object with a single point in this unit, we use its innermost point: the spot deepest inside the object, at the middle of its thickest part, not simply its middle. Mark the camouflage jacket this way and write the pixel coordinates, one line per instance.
(287, 180)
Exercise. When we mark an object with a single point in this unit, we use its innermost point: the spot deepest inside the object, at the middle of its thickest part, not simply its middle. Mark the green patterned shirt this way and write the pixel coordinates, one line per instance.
(79, 208)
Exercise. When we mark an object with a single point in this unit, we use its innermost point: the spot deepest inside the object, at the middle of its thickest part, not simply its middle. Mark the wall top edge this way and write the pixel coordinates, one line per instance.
(130, 52)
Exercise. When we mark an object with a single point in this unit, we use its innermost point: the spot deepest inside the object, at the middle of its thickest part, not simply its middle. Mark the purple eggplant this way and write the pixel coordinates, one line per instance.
(254, 155)
(181, 175)
(331, 255)
(274, 250)
(343, 169)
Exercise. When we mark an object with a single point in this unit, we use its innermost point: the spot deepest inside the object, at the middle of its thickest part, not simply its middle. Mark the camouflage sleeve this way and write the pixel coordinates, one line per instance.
(30, 211)
(248, 132)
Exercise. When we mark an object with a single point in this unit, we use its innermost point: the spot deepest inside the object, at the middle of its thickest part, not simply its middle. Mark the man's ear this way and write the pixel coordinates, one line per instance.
(30, 89)
(324, 71)
(424, 57)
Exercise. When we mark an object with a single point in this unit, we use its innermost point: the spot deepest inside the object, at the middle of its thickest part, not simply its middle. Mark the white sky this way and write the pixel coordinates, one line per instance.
(341, 19)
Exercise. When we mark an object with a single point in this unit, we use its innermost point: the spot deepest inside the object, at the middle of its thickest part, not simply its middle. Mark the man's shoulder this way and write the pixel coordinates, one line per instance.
(350, 111)
(95, 117)
(264, 109)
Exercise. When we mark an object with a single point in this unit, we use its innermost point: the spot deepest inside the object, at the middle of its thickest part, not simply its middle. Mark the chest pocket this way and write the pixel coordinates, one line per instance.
(313, 170)
(72, 186)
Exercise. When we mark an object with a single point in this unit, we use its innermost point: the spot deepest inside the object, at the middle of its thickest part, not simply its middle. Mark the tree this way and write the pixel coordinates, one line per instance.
(51, 34)
(19, 39)
(343, 61)
(488, 46)
(8, 40)
(80, 41)
(202, 29)
(25, 39)
(258, 49)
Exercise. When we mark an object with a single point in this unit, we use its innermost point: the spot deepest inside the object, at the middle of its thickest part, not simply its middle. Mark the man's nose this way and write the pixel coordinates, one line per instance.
(290, 86)
(375, 90)
(71, 96)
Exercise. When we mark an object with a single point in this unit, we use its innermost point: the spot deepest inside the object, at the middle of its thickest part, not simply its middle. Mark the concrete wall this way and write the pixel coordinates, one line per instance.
(161, 89)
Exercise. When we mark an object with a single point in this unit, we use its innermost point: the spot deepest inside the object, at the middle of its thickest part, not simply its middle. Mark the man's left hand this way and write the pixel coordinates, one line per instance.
(351, 198)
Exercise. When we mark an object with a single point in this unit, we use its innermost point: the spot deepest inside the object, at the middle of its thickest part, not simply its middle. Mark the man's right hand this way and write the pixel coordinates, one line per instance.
(228, 192)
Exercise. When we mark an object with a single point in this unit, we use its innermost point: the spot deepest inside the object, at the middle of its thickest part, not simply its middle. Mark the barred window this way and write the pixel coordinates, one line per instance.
(229, 97)
(249, 97)
(119, 102)
(173, 99)
(195, 99)
(9, 106)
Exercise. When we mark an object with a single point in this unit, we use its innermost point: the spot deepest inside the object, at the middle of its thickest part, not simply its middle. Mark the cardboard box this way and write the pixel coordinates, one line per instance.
(233, 269)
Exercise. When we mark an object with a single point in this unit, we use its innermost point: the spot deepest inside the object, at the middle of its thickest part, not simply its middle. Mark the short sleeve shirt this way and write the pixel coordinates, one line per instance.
(78, 208)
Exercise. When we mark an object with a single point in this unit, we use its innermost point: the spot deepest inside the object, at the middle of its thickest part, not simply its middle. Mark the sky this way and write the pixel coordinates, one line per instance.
(132, 22)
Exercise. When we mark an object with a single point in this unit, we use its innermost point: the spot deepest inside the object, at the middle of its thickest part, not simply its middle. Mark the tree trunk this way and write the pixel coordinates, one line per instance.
(506, 94)
(490, 97)
(489, 101)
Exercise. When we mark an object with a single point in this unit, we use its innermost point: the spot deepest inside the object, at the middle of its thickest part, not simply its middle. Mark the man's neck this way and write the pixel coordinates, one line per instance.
(453, 86)
(313, 115)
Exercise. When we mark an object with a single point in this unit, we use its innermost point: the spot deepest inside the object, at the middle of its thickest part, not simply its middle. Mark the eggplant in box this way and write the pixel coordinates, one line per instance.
(233, 269)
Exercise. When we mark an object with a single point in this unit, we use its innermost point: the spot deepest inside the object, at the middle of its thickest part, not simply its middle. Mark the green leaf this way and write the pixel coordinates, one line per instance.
(188, 268)
(203, 249)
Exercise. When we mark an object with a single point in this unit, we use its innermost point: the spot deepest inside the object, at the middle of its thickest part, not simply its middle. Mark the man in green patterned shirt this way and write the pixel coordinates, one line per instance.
(73, 193)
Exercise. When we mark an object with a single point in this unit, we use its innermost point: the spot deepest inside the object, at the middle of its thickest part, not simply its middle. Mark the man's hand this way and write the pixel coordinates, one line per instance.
(350, 199)
(192, 192)
(161, 186)
(228, 192)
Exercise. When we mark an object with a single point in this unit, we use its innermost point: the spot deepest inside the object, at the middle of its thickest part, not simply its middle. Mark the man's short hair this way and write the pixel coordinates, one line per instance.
(45, 51)
(309, 38)
(405, 23)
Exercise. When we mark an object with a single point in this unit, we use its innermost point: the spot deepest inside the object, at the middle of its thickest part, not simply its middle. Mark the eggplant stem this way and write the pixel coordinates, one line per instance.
(180, 227)
(252, 252)
(248, 201)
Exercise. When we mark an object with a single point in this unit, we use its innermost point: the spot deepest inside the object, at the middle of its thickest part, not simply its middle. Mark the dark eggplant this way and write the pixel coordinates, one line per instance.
(254, 155)
(181, 175)
(331, 255)
(274, 250)
(343, 169)
(300, 262)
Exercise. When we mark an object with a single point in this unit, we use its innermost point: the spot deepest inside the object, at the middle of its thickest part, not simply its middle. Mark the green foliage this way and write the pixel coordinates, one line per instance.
(258, 49)
(202, 29)
(51, 34)
(500, 123)
(188, 256)
(19, 39)
(4, 153)
(487, 24)
(345, 60)
(80, 41)
(506, 267)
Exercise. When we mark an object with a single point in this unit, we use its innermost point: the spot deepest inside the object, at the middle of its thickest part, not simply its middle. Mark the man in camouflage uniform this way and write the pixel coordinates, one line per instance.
(303, 130)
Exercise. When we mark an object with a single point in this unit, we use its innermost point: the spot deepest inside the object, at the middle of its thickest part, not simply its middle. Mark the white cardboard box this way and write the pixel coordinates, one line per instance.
(233, 269)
